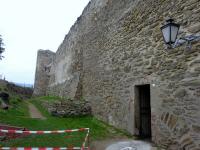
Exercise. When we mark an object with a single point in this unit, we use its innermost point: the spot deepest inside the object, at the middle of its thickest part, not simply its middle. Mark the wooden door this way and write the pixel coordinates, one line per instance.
(145, 111)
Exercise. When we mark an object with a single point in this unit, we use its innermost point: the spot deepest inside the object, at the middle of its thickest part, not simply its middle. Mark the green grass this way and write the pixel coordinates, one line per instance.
(19, 116)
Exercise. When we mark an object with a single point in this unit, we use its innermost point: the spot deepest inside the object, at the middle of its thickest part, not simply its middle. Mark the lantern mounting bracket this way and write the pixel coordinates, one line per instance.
(186, 40)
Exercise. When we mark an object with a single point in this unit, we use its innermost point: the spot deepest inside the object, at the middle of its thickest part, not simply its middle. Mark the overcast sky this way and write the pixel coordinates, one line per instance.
(29, 25)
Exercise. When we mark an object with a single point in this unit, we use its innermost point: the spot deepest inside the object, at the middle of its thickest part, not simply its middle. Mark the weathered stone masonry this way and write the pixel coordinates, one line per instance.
(116, 45)
(44, 61)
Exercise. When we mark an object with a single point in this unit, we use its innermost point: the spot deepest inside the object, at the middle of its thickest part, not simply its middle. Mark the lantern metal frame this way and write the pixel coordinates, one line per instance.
(188, 40)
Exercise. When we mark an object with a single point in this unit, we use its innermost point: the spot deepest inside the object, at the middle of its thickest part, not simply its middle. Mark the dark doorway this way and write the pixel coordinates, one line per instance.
(143, 111)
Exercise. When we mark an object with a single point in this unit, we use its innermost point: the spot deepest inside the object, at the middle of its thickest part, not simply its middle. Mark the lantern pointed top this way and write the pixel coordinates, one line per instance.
(170, 20)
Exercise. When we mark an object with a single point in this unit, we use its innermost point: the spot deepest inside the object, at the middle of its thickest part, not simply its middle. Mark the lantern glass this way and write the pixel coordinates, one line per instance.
(170, 31)
(166, 34)
(174, 33)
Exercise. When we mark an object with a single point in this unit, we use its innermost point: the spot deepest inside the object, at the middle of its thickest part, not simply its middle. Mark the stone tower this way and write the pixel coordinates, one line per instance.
(43, 67)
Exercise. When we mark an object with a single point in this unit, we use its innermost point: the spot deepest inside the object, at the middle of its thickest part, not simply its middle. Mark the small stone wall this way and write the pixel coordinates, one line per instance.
(68, 108)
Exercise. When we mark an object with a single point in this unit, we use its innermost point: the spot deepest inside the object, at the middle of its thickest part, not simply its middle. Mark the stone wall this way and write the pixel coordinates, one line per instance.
(116, 45)
(67, 108)
(66, 72)
(43, 66)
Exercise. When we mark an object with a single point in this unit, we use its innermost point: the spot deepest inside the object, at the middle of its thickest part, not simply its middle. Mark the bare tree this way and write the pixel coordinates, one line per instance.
(2, 49)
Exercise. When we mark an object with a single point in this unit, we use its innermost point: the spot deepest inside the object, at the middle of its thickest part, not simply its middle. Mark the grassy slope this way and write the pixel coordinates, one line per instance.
(19, 116)
(15, 91)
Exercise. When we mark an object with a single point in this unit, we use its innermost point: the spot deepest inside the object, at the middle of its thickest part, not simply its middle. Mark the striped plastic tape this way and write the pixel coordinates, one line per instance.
(43, 132)
(43, 148)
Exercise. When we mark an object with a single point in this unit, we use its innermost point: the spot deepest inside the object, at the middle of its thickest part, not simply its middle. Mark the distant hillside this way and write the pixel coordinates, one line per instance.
(13, 89)
(24, 85)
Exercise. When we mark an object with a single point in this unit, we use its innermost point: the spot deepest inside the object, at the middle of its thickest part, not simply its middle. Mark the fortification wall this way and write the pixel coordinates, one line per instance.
(117, 45)
(67, 67)
(126, 49)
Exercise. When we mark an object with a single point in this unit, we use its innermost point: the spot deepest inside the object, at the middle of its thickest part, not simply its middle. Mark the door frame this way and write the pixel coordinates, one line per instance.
(137, 114)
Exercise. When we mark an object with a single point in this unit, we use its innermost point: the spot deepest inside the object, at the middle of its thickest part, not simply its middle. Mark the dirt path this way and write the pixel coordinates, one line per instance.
(34, 112)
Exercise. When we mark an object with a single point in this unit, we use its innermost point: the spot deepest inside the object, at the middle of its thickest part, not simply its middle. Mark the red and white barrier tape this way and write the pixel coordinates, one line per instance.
(86, 138)
(47, 132)
(43, 132)
(43, 148)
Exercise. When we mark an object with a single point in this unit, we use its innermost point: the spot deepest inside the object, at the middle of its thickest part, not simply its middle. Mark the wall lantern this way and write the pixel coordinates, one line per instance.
(170, 32)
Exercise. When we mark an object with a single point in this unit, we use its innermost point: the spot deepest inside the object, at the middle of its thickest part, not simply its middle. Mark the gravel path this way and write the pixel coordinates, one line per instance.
(34, 112)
